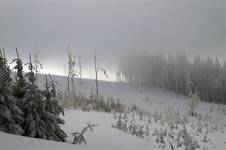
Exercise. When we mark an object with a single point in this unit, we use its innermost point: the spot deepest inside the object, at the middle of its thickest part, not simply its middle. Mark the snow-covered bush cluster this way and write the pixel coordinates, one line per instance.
(25, 109)
(168, 127)
(79, 100)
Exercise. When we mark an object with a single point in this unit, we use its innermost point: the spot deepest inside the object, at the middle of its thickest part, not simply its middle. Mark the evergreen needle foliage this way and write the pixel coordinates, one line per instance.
(10, 113)
(25, 109)
(79, 136)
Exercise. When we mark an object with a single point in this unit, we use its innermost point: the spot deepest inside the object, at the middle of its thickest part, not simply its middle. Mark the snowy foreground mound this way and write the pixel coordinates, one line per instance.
(103, 137)
(212, 118)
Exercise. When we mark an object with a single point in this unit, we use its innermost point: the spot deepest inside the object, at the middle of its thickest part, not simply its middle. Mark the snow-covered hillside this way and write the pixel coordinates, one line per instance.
(105, 137)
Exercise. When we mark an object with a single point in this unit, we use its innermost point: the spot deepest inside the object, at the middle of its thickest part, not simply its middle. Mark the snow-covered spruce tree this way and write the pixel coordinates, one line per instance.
(120, 124)
(52, 103)
(20, 84)
(38, 122)
(10, 113)
(33, 109)
(193, 104)
(52, 111)
(140, 132)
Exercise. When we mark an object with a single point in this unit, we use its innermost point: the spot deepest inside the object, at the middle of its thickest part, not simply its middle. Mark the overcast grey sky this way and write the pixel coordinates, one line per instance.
(113, 27)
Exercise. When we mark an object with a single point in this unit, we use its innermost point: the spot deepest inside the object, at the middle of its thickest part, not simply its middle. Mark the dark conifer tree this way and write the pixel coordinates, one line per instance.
(52, 111)
(10, 113)
(39, 122)
(33, 108)
(20, 85)
(52, 103)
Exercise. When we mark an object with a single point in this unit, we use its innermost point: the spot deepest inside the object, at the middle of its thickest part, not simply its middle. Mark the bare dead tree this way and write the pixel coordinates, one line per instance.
(71, 70)
(30, 74)
(37, 64)
(80, 69)
(3, 51)
(96, 73)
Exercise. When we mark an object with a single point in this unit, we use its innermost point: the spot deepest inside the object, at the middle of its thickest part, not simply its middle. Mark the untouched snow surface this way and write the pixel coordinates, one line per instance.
(106, 137)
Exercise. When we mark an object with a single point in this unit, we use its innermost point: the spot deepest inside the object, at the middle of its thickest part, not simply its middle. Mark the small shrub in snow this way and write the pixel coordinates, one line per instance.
(156, 132)
(140, 132)
(193, 104)
(205, 138)
(189, 142)
(125, 116)
(161, 136)
(134, 129)
(147, 132)
(79, 136)
(120, 124)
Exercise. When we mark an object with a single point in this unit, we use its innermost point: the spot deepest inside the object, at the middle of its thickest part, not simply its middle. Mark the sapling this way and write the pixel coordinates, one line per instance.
(140, 132)
(120, 124)
(205, 139)
(193, 104)
(160, 138)
(79, 136)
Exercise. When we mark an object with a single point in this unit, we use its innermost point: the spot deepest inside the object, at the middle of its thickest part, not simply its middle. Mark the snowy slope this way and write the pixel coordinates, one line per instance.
(126, 93)
(106, 137)
(159, 99)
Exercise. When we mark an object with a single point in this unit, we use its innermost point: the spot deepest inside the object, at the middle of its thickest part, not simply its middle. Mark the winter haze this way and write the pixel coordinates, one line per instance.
(112, 27)
(118, 75)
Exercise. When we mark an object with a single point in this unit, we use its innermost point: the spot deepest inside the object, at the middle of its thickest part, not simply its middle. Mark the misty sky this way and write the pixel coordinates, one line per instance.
(112, 27)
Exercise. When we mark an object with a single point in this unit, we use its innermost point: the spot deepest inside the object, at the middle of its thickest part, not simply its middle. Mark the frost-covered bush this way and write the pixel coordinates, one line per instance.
(161, 136)
(79, 100)
(193, 104)
(140, 132)
(189, 142)
(131, 126)
(120, 124)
